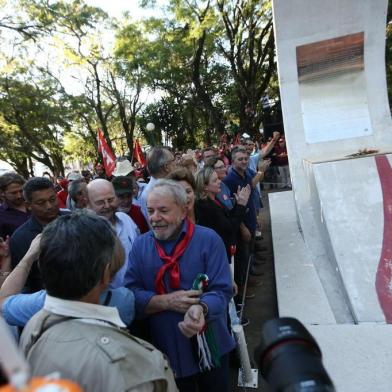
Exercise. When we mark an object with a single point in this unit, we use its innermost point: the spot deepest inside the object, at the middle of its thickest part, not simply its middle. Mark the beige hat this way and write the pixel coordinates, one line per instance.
(123, 168)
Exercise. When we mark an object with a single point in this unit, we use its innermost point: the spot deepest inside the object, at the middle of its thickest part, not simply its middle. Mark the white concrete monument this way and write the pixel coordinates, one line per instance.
(334, 100)
(333, 233)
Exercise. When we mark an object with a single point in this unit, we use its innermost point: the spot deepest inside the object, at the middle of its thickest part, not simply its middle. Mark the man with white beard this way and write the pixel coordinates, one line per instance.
(166, 262)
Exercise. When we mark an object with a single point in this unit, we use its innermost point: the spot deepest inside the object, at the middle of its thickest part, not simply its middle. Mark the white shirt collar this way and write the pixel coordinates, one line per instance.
(84, 310)
(152, 181)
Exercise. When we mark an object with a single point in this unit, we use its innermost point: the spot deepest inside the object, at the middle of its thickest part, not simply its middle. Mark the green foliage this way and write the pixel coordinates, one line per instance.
(209, 61)
(10, 148)
(78, 148)
(218, 55)
(169, 120)
(36, 108)
(34, 118)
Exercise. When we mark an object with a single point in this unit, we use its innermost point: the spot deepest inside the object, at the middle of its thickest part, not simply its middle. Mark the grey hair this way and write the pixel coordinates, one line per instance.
(157, 157)
(74, 250)
(172, 188)
(74, 187)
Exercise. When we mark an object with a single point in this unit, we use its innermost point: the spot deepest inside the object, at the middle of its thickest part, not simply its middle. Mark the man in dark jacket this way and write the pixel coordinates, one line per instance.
(42, 202)
(13, 211)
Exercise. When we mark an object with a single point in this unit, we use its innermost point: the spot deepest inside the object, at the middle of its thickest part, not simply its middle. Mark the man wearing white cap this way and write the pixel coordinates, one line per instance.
(123, 168)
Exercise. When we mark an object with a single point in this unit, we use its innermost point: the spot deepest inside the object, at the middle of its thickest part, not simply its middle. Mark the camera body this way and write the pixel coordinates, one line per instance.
(290, 359)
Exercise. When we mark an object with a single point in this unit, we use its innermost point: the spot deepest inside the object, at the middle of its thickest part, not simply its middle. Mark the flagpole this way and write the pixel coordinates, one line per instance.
(133, 150)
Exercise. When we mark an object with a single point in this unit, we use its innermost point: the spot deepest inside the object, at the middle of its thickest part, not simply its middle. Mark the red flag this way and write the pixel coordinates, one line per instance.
(109, 159)
(138, 153)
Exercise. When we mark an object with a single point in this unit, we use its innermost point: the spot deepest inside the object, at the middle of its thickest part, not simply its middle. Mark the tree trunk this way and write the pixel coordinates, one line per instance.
(215, 116)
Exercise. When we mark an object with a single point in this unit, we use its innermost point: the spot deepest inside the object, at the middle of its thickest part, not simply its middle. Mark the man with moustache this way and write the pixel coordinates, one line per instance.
(124, 188)
(42, 202)
(165, 263)
(103, 201)
(239, 175)
(207, 153)
(256, 156)
(13, 211)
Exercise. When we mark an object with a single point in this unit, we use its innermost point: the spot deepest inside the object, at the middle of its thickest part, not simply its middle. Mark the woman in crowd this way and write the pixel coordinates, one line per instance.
(211, 212)
(224, 196)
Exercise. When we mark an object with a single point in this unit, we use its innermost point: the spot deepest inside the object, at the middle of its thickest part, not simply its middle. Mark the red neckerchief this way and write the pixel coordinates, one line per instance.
(171, 262)
(233, 250)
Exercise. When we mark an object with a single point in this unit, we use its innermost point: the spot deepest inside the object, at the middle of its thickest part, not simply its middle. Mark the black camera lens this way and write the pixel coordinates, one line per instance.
(290, 359)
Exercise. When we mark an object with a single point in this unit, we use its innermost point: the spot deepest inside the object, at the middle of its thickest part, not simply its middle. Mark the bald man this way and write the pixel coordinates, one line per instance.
(103, 201)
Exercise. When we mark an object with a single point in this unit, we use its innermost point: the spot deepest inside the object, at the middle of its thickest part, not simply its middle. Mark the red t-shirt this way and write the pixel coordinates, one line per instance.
(62, 198)
(281, 160)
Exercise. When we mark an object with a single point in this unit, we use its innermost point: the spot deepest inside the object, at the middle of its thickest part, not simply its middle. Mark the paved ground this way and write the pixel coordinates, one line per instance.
(264, 306)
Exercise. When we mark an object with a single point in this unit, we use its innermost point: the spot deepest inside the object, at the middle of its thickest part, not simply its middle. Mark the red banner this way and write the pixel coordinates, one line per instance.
(109, 159)
(138, 153)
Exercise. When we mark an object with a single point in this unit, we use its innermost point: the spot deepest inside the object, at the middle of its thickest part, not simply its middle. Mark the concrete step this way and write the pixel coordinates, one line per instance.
(357, 357)
(299, 290)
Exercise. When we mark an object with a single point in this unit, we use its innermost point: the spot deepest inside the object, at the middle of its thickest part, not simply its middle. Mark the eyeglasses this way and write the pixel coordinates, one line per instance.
(220, 167)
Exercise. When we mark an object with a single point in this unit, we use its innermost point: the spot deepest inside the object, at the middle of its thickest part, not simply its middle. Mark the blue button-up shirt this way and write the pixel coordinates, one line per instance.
(233, 180)
(144, 195)
(18, 309)
(127, 231)
(253, 167)
(205, 254)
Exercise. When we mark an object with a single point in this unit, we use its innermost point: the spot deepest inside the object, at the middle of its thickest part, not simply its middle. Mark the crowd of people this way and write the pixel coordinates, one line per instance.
(123, 282)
